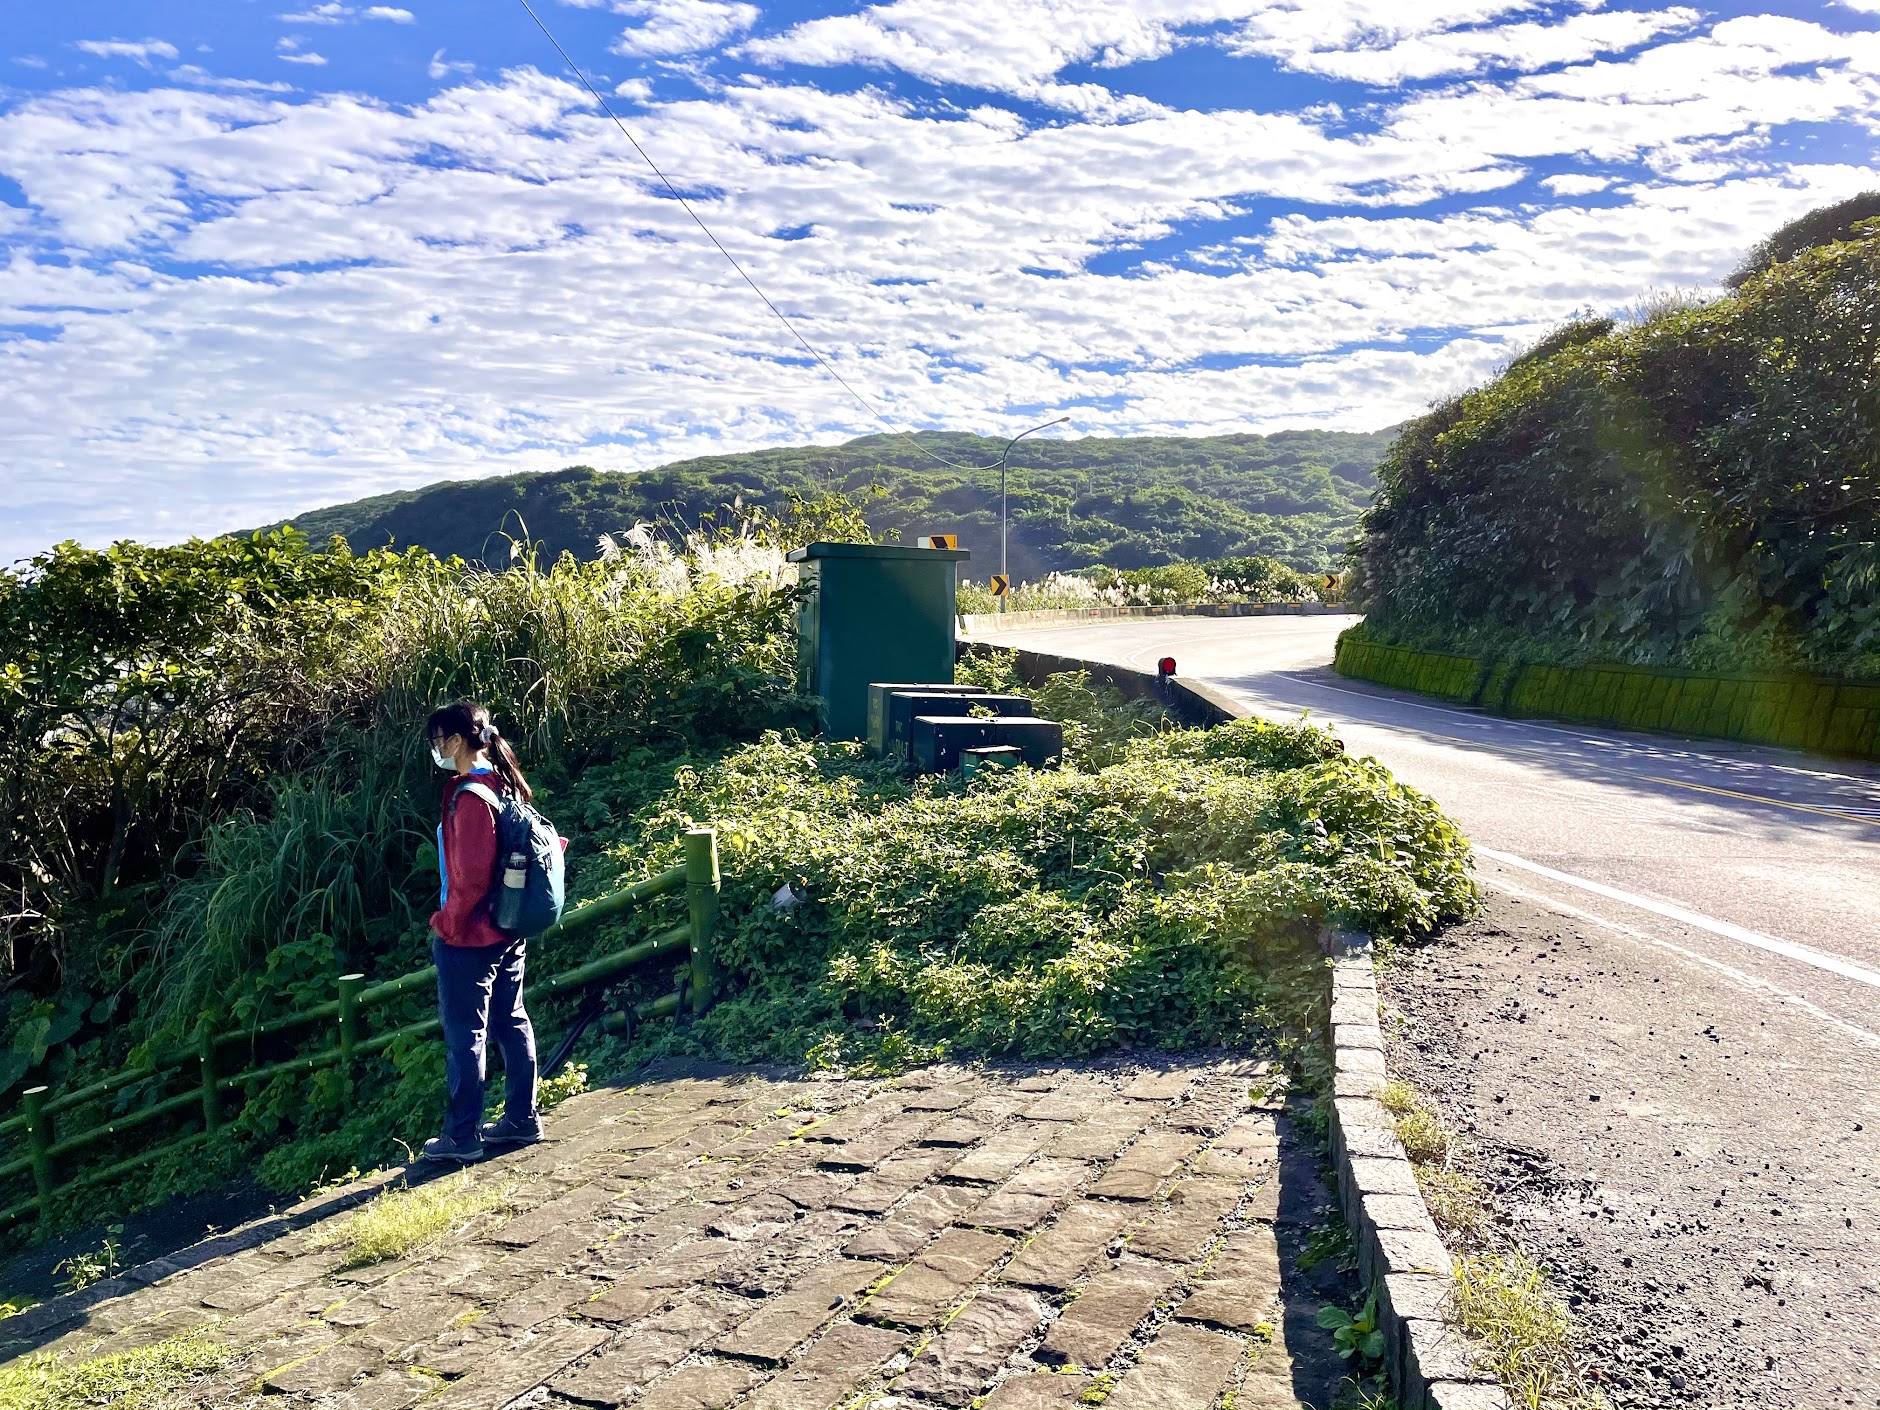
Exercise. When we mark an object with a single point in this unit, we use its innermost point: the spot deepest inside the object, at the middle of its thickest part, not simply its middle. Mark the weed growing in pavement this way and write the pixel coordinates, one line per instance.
(13, 1306)
(130, 1380)
(1426, 1140)
(408, 1219)
(81, 1270)
(1525, 1332)
(1357, 1337)
(571, 1081)
(1330, 1241)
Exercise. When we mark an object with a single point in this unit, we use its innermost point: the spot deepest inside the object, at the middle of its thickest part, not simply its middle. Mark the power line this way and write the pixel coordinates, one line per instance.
(743, 274)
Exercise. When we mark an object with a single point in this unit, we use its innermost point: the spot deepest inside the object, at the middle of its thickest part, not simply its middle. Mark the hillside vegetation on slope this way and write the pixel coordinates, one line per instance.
(1129, 503)
(1700, 488)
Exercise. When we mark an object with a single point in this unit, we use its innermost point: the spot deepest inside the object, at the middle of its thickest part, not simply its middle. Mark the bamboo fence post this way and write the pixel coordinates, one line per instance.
(39, 1142)
(211, 1071)
(349, 987)
(701, 891)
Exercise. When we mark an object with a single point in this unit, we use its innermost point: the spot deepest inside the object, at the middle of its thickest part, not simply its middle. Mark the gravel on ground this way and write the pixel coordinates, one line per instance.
(1702, 1181)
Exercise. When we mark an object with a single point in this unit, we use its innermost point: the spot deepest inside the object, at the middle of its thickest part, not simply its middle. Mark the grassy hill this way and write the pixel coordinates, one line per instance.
(1129, 502)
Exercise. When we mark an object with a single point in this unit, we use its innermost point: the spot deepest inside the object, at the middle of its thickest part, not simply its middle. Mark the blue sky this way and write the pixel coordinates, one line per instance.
(257, 257)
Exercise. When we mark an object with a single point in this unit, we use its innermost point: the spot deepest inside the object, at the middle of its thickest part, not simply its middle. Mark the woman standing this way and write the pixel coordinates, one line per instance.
(479, 968)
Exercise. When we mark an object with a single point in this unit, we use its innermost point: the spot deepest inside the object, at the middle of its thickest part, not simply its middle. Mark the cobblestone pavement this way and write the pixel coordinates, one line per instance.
(1011, 1239)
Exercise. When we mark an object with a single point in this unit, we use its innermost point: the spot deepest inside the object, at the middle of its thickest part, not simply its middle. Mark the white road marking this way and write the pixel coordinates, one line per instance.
(1788, 949)
(1748, 981)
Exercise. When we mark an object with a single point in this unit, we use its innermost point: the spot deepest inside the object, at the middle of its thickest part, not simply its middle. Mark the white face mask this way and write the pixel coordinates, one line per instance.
(442, 760)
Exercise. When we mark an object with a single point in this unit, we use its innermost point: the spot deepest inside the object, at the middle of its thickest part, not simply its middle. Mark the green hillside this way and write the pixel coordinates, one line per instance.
(1696, 488)
(1132, 502)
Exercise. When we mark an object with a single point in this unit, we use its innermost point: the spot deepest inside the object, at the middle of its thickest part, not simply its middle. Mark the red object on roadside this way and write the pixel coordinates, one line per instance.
(1165, 667)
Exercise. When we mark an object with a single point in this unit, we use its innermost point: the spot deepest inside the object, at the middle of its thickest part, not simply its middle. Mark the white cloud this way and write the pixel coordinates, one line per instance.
(671, 27)
(1521, 47)
(391, 13)
(488, 282)
(143, 51)
(289, 51)
(331, 13)
(1575, 183)
(31, 61)
(442, 68)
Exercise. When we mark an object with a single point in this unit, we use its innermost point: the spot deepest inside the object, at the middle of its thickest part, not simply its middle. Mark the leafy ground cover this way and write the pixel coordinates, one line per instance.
(1165, 887)
(1696, 488)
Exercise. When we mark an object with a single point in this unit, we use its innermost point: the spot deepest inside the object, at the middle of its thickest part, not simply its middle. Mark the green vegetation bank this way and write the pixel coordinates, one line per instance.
(1699, 489)
(1126, 502)
(217, 801)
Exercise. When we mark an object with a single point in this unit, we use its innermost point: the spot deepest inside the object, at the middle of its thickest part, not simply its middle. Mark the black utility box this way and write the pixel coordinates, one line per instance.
(878, 693)
(905, 706)
(935, 741)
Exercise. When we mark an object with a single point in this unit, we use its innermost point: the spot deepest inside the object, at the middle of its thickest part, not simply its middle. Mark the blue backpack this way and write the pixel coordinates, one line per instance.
(528, 895)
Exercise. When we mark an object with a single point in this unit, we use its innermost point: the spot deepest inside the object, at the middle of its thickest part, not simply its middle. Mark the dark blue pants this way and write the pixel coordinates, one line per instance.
(479, 997)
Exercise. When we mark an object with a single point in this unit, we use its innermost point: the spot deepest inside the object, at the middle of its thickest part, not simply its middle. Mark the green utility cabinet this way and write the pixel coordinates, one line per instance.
(871, 612)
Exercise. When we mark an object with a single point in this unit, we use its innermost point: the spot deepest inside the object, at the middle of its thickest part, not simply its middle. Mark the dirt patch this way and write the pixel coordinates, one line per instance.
(1696, 1166)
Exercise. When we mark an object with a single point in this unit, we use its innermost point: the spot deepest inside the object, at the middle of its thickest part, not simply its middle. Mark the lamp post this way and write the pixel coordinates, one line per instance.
(1004, 568)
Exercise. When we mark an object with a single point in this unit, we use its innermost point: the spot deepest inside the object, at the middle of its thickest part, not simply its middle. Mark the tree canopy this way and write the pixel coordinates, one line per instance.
(1128, 502)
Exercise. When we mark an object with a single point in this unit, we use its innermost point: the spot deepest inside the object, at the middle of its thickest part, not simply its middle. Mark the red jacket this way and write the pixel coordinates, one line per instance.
(468, 860)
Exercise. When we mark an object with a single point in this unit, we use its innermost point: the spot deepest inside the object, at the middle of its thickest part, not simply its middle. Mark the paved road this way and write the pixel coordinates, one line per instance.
(1012, 1237)
(1724, 915)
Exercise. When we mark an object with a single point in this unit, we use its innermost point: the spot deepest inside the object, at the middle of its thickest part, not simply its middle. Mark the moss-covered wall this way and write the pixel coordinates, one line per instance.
(1830, 717)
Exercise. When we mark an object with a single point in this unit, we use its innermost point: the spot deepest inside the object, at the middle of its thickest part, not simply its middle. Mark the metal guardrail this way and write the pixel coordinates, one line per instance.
(48, 1147)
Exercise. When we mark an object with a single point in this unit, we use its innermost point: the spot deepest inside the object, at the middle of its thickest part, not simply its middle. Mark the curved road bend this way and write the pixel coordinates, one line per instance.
(1668, 1022)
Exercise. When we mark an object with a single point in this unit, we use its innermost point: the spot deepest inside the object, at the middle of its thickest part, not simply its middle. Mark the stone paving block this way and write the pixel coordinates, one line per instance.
(685, 1265)
(938, 1278)
(1256, 1133)
(825, 1376)
(710, 1386)
(1057, 1258)
(782, 1322)
(624, 1303)
(940, 1099)
(1160, 1086)
(890, 1182)
(619, 1375)
(903, 1233)
(1095, 1325)
(1038, 1390)
(333, 1369)
(1182, 1229)
(814, 1189)
(1242, 1287)
(959, 1131)
(1140, 1170)
(770, 1265)
(522, 1366)
(999, 1156)
(753, 1218)
(1184, 1368)
(389, 1390)
(1217, 1164)
(1014, 1213)
(1261, 1203)
(418, 1320)
(1102, 1134)
(551, 1297)
(956, 1365)
(869, 1147)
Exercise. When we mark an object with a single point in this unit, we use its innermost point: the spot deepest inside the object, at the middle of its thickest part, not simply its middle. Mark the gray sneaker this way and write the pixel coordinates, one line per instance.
(504, 1132)
(444, 1148)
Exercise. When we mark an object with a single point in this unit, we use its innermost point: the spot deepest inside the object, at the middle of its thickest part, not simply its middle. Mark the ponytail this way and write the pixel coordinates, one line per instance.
(472, 721)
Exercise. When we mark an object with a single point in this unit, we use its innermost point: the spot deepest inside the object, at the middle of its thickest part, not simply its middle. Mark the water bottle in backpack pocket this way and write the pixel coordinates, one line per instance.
(527, 898)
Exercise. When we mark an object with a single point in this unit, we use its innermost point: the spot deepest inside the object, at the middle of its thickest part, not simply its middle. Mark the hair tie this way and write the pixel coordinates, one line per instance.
(488, 734)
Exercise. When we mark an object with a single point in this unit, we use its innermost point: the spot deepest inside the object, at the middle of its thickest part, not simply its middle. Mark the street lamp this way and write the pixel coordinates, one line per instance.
(1004, 569)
